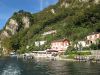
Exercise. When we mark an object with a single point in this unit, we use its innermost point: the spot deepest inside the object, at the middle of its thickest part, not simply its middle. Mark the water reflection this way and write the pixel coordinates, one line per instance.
(56, 68)
(11, 69)
(14, 66)
(9, 66)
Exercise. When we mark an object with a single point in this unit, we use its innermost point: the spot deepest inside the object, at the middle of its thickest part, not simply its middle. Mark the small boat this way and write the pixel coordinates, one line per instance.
(13, 54)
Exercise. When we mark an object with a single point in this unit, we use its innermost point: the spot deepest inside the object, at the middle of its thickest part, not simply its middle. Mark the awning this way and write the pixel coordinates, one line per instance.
(52, 51)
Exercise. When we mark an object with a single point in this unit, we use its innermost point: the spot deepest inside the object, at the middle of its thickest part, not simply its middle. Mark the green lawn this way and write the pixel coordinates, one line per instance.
(72, 54)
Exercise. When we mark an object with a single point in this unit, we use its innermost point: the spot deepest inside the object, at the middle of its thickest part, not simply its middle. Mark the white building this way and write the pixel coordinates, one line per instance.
(49, 32)
(39, 43)
(81, 44)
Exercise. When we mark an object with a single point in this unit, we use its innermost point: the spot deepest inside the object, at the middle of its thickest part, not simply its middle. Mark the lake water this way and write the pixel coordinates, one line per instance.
(13, 66)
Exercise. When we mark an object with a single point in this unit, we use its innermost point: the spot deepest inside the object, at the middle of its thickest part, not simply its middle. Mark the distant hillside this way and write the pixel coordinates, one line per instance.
(72, 19)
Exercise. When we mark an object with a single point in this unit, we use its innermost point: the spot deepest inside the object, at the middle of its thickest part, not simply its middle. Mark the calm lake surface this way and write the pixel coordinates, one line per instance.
(13, 66)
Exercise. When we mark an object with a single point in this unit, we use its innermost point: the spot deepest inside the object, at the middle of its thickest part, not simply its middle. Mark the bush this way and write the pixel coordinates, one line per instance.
(84, 53)
(94, 46)
(71, 56)
(79, 53)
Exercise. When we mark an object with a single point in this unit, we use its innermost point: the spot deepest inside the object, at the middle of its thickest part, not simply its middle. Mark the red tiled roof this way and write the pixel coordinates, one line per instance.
(61, 40)
(94, 33)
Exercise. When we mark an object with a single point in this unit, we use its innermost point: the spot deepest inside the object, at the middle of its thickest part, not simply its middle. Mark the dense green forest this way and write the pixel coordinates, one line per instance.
(74, 22)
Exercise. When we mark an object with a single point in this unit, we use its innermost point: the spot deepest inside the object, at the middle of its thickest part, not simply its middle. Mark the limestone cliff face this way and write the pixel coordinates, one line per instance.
(97, 1)
(26, 22)
(66, 3)
(4, 34)
(13, 26)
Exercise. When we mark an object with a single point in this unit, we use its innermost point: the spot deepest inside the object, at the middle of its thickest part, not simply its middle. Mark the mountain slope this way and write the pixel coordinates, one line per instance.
(72, 19)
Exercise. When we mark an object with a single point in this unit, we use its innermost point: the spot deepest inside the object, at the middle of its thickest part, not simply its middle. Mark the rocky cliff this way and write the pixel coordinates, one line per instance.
(72, 19)
(19, 20)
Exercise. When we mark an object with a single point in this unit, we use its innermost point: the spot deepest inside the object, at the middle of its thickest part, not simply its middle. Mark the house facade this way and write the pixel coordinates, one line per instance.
(60, 45)
(39, 43)
(92, 38)
(80, 45)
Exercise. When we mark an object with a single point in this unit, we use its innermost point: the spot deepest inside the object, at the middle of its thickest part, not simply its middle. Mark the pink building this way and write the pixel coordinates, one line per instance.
(92, 38)
(60, 45)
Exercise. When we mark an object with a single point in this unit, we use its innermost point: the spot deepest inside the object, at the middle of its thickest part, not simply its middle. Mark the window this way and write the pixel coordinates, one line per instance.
(96, 35)
(91, 42)
(90, 37)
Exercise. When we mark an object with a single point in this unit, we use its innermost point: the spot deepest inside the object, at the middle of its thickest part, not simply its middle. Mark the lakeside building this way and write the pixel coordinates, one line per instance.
(92, 38)
(80, 45)
(60, 45)
(57, 47)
